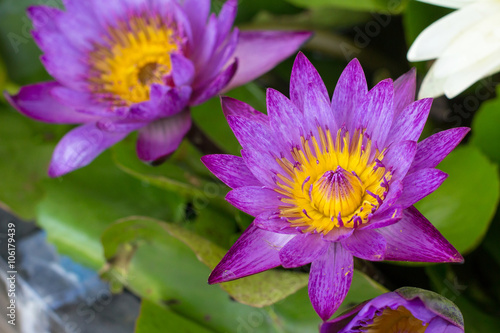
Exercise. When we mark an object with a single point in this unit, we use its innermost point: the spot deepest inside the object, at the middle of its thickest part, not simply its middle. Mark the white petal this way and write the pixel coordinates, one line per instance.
(432, 42)
(448, 3)
(478, 42)
(431, 86)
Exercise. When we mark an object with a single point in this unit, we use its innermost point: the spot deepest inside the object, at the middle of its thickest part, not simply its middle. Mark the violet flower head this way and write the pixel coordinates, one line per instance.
(404, 310)
(327, 181)
(127, 65)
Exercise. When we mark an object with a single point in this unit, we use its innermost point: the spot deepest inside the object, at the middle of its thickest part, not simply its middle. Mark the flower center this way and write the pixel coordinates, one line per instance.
(396, 321)
(331, 183)
(134, 55)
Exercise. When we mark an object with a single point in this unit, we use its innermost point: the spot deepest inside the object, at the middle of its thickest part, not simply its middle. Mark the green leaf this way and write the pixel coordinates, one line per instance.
(25, 149)
(463, 206)
(485, 130)
(79, 206)
(257, 290)
(393, 7)
(155, 318)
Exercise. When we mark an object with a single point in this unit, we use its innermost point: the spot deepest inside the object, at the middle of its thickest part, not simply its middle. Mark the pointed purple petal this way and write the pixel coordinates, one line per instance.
(330, 279)
(432, 150)
(399, 157)
(408, 125)
(255, 251)
(168, 102)
(419, 185)
(302, 250)
(231, 170)
(284, 117)
(337, 234)
(213, 88)
(81, 146)
(272, 46)
(317, 111)
(263, 167)
(375, 112)
(36, 101)
(160, 138)
(182, 70)
(79, 25)
(385, 218)
(197, 12)
(254, 200)
(305, 80)
(350, 91)
(404, 91)
(414, 238)
(226, 20)
(253, 135)
(395, 190)
(234, 107)
(271, 221)
(366, 244)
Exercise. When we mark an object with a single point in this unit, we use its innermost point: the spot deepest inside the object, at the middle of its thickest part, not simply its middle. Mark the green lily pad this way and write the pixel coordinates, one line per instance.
(485, 131)
(462, 208)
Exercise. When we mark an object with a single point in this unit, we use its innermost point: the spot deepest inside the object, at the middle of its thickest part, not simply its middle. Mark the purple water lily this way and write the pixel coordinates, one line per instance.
(132, 65)
(404, 310)
(329, 181)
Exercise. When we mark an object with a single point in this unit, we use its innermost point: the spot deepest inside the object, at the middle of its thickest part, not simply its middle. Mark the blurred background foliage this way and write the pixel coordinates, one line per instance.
(158, 231)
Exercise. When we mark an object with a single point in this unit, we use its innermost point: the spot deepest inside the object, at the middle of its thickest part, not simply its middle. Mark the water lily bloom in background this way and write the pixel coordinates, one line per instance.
(404, 310)
(329, 181)
(465, 44)
(121, 66)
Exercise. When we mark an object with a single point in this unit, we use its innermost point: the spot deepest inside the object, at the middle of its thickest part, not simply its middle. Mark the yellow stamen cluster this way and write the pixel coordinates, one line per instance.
(134, 55)
(396, 321)
(331, 182)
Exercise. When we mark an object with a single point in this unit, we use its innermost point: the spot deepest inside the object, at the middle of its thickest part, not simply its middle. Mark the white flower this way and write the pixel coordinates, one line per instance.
(466, 44)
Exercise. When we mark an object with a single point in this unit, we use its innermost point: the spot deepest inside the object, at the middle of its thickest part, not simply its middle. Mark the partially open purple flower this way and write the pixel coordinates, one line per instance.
(404, 310)
(132, 65)
(329, 181)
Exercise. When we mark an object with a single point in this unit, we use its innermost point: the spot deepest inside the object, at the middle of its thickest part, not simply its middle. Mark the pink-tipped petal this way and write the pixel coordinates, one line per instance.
(330, 279)
(404, 91)
(273, 46)
(231, 170)
(255, 251)
(414, 238)
(233, 107)
(161, 138)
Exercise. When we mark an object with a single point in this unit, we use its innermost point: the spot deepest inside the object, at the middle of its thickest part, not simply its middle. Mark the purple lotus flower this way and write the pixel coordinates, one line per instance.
(329, 181)
(131, 65)
(404, 310)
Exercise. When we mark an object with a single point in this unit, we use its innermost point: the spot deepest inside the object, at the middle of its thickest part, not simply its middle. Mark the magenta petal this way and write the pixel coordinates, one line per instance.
(273, 46)
(350, 91)
(81, 146)
(254, 135)
(337, 234)
(160, 138)
(432, 150)
(261, 166)
(182, 69)
(226, 19)
(168, 102)
(233, 107)
(254, 200)
(366, 244)
(330, 279)
(302, 250)
(408, 125)
(385, 218)
(213, 88)
(36, 101)
(395, 190)
(404, 91)
(197, 12)
(399, 158)
(414, 238)
(285, 119)
(231, 170)
(271, 221)
(255, 251)
(375, 112)
(419, 185)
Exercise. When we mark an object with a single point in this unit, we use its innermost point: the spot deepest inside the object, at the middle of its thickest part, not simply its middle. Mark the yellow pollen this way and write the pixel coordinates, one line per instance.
(396, 321)
(134, 55)
(331, 182)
